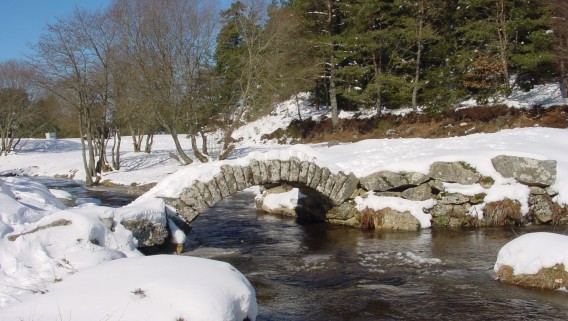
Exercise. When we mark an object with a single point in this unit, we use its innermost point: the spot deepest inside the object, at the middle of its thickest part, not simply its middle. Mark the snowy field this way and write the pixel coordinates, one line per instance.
(80, 256)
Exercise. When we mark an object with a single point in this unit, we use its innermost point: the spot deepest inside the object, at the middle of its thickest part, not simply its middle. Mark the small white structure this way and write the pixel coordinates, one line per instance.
(50, 135)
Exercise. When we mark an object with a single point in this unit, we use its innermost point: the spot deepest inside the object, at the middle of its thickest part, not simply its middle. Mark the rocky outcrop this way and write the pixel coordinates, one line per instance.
(528, 171)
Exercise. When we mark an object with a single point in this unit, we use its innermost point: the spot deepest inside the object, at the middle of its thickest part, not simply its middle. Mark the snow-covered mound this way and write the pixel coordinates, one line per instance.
(163, 287)
(532, 252)
(52, 263)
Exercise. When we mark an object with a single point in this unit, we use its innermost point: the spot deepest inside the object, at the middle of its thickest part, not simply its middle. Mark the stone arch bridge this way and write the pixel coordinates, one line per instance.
(334, 188)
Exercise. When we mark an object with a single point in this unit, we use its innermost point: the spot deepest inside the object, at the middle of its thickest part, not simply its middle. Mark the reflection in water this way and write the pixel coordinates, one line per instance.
(326, 272)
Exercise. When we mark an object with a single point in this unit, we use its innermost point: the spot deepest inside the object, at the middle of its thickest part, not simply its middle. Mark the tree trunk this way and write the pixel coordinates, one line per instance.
(88, 172)
(196, 151)
(332, 89)
(564, 67)
(378, 83)
(204, 147)
(149, 142)
(333, 102)
(416, 86)
(503, 44)
(116, 156)
(136, 139)
(184, 158)
(228, 139)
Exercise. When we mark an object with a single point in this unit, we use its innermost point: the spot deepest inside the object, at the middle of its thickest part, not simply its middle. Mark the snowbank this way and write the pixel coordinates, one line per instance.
(163, 287)
(54, 262)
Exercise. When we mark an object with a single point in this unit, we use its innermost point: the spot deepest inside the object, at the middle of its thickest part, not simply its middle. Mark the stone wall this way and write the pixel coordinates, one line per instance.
(335, 193)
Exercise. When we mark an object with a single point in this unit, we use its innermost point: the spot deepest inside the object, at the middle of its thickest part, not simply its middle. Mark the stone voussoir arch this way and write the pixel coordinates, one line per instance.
(199, 196)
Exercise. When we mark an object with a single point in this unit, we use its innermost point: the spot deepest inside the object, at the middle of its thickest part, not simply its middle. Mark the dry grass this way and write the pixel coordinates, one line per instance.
(370, 219)
(488, 119)
(548, 278)
(503, 213)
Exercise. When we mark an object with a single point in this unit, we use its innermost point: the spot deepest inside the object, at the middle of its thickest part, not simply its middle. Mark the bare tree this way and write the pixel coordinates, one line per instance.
(16, 110)
(72, 57)
(167, 44)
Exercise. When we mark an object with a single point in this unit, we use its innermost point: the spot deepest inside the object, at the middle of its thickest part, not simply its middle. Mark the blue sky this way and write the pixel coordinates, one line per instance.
(22, 21)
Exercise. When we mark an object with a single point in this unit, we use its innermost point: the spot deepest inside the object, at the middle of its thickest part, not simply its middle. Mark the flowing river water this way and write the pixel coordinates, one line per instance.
(326, 272)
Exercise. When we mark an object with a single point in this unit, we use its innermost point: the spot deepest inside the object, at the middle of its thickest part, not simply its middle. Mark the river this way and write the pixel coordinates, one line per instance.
(326, 272)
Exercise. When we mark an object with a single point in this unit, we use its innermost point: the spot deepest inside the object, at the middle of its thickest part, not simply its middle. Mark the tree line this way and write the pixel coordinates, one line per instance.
(185, 67)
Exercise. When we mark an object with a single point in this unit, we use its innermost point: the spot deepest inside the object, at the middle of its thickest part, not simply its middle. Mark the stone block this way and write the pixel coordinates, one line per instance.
(240, 177)
(285, 170)
(294, 169)
(249, 180)
(230, 180)
(222, 185)
(317, 177)
(347, 189)
(303, 176)
(273, 168)
(205, 193)
(323, 180)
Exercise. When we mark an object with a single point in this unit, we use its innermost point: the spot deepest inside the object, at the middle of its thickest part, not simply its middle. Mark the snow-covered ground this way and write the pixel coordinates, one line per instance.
(70, 263)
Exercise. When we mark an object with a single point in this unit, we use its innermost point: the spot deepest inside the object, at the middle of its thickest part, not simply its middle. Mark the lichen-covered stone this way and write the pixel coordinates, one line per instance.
(223, 188)
(386, 180)
(420, 193)
(436, 185)
(205, 193)
(239, 178)
(247, 173)
(294, 169)
(303, 175)
(146, 232)
(346, 190)
(273, 168)
(528, 171)
(285, 170)
(542, 209)
(317, 177)
(230, 180)
(323, 180)
(254, 166)
(328, 188)
(454, 198)
(214, 191)
(454, 172)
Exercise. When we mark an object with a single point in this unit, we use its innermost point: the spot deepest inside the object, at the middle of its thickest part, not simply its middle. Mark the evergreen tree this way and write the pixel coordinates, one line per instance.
(322, 25)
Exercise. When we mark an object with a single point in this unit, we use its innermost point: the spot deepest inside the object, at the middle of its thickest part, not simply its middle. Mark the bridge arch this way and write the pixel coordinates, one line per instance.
(199, 196)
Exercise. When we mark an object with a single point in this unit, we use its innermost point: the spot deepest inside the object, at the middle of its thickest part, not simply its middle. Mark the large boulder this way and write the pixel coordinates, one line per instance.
(454, 172)
(528, 171)
(388, 219)
(386, 180)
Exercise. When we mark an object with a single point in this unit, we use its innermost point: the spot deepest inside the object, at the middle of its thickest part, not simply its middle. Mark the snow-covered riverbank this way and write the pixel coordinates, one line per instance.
(42, 260)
